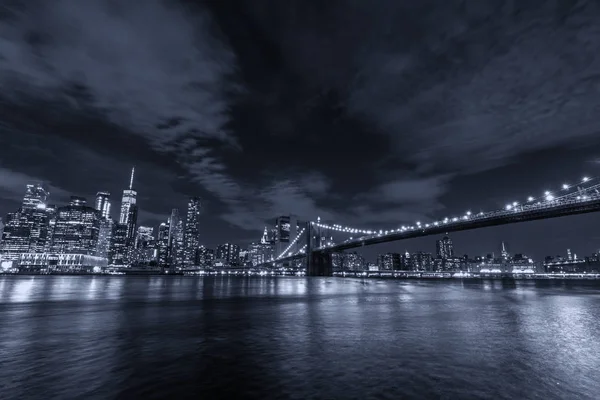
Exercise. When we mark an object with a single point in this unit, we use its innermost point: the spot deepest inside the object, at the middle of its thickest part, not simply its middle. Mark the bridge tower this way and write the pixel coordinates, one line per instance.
(318, 263)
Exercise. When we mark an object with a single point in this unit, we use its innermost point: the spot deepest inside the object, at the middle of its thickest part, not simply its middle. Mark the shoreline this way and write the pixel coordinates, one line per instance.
(399, 278)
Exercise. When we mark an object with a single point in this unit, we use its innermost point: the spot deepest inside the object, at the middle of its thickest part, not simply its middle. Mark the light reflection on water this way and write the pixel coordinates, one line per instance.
(228, 337)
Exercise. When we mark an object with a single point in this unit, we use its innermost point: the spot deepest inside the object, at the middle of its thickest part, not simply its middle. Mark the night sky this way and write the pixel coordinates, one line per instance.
(366, 113)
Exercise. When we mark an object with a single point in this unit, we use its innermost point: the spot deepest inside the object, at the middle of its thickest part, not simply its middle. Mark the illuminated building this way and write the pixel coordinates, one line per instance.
(15, 237)
(104, 237)
(35, 195)
(175, 240)
(192, 239)
(76, 229)
(262, 252)
(228, 254)
(206, 257)
(504, 252)
(129, 199)
(341, 261)
(162, 245)
(51, 262)
(144, 249)
(354, 261)
(421, 261)
(132, 224)
(39, 221)
(51, 211)
(444, 248)
(388, 261)
(119, 252)
(27, 230)
(103, 204)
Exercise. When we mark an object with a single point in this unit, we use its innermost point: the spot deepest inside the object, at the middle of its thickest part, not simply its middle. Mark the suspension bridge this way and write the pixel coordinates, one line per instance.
(310, 244)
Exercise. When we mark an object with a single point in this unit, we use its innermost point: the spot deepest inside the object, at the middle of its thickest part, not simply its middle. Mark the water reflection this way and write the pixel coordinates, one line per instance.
(228, 337)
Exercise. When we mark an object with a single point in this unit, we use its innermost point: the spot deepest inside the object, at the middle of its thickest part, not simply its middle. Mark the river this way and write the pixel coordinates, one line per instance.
(69, 337)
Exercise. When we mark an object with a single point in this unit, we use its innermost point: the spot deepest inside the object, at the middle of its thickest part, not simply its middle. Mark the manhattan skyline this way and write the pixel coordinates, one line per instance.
(263, 112)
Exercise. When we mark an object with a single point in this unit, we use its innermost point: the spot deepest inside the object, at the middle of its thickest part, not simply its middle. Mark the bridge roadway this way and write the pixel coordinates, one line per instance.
(524, 213)
(503, 217)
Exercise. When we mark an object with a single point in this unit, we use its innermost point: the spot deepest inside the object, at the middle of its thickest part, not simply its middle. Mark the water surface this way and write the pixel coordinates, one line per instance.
(296, 338)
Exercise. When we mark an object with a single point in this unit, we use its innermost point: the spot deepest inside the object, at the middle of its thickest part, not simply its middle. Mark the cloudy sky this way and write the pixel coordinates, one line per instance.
(369, 114)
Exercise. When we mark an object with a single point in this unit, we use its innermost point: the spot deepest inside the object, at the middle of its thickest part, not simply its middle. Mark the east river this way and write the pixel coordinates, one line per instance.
(70, 337)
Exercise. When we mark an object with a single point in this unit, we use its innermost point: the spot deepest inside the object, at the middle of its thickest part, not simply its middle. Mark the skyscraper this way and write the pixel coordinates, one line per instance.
(35, 195)
(229, 254)
(27, 230)
(76, 229)
(175, 240)
(119, 252)
(103, 204)
(444, 248)
(144, 245)
(131, 223)
(162, 244)
(104, 237)
(192, 239)
(15, 237)
(206, 257)
(129, 198)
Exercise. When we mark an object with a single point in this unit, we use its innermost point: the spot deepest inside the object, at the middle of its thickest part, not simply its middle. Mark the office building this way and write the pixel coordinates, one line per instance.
(162, 245)
(35, 195)
(104, 237)
(144, 247)
(444, 248)
(388, 261)
(119, 251)
(192, 234)
(76, 229)
(228, 254)
(176, 245)
(206, 257)
(103, 204)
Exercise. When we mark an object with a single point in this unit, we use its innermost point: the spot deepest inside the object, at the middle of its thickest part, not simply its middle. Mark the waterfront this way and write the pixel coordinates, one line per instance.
(103, 337)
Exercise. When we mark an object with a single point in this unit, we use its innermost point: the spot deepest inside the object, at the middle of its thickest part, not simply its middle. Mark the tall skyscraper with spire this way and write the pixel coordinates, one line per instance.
(504, 251)
(129, 199)
(192, 233)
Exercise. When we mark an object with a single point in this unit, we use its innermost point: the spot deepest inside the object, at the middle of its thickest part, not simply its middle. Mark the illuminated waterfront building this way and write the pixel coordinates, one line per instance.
(104, 237)
(103, 204)
(27, 230)
(206, 257)
(53, 262)
(119, 251)
(444, 248)
(176, 240)
(261, 252)
(76, 229)
(15, 236)
(228, 254)
(144, 247)
(162, 245)
(192, 234)
(388, 261)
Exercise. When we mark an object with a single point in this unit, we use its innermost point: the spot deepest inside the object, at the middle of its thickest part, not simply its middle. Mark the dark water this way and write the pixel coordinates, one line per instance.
(296, 338)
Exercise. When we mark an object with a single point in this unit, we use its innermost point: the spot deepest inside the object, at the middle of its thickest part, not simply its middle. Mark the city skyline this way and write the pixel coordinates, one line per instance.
(104, 205)
(361, 128)
(50, 231)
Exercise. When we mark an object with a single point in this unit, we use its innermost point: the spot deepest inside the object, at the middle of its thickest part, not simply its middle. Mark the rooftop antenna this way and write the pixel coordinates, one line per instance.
(131, 180)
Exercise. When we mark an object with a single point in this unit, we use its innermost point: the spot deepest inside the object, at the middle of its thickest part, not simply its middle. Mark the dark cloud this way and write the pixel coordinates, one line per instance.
(360, 112)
